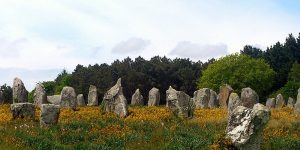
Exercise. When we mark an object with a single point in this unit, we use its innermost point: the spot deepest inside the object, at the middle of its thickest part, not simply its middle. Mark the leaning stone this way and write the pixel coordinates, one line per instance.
(271, 103)
(80, 100)
(245, 126)
(279, 101)
(115, 101)
(179, 103)
(49, 115)
(213, 100)
(224, 94)
(22, 110)
(291, 102)
(234, 102)
(249, 97)
(201, 98)
(137, 98)
(68, 98)
(54, 99)
(93, 96)
(39, 95)
(20, 94)
(154, 97)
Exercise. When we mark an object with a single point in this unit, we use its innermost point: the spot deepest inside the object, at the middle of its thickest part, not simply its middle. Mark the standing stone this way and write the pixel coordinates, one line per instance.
(245, 126)
(213, 100)
(39, 95)
(234, 102)
(298, 96)
(68, 98)
(154, 97)
(279, 101)
(179, 103)
(80, 100)
(22, 110)
(224, 94)
(297, 105)
(115, 101)
(55, 99)
(1, 98)
(49, 115)
(137, 98)
(291, 102)
(249, 97)
(271, 103)
(201, 98)
(93, 96)
(20, 94)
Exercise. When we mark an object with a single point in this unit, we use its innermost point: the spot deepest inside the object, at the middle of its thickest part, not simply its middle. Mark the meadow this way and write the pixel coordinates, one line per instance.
(144, 128)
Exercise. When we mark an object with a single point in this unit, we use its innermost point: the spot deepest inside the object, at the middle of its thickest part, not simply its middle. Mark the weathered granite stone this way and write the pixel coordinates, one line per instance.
(249, 97)
(291, 102)
(93, 96)
(271, 103)
(179, 103)
(49, 115)
(279, 101)
(20, 94)
(201, 98)
(213, 100)
(68, 98)
(245, 126)
(115, 101)
(39, 95)
(22, 110)
(54, 99)
(80, 100)
(154, 97)
(225, 91)
(234, 102)
(137, 98)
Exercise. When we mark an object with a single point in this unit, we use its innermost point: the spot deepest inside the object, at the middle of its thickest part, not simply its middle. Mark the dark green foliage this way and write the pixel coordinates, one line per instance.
(252, 52)
(7, 93)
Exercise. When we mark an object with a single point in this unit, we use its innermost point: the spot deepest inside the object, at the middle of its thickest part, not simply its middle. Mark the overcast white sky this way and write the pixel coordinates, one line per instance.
(38, 38)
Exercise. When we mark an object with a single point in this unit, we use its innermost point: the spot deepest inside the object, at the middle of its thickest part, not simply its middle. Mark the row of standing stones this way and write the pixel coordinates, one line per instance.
(246, 119)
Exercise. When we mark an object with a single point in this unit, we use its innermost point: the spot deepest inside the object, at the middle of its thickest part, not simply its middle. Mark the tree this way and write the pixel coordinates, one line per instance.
(252, 51)
(7, 93)
(239, 71)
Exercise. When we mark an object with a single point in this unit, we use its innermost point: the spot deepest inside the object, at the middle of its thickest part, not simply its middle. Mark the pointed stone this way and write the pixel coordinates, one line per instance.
(271, 103)
(39, 95)
(224, 94)
(154, 97)
(291, 102)
(280, 103)
(93, 96)
(20, 94)
(137, 98)
(249, 97)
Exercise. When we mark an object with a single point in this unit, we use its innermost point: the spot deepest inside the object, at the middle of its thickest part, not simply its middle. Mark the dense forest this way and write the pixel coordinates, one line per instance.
(182, 74)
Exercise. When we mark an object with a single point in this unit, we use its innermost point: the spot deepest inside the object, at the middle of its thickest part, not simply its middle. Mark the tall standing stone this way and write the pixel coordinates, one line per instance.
(80, 100)
(291, 102)
(225, 91)
(213, 100)
(249, 97)
(68, 98)
(201, 98)
(137, 98)
(233, 102)
(271, 103)
(279, 101)
(297, 105)
(49, 115)
(245, 126)
(154, 97)
(54, 99)
(39, 95)
(20, 94)
(93, 96)
(22, 110)
(115, 101)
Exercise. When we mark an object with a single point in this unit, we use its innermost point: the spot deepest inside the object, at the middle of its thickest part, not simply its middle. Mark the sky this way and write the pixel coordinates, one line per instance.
(39, 38)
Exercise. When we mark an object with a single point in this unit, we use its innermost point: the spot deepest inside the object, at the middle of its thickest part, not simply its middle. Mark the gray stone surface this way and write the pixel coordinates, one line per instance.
(245, 126)
(137, 98)
(291, 102)
(249, 97)
(39, 95)
(225, 91)
(154, 97)
(201, 98)
(297, 108)
(22, 110)
(80, 100)
(234, 102)
(213, 100)
(93, 96)
(20, 94)
(54, 99)
(49, 115)
(279, 101)
(271, 103)
(115, 101)
(68, 98)
(179, 103)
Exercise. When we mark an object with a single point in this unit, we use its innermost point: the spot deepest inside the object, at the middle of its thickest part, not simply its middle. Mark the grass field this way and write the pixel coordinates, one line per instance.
(144, 128)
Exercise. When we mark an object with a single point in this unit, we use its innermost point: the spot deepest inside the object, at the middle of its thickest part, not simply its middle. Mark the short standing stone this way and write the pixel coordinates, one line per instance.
(54, 99)
(137, 98)
(291, 102)
(279, 101)
(245, 126)
(201, 98)
(93, 96)
(213, 100)
(19, 91)
(115, 101)
(249, 97)
(68, 98)
(234, 102)
(1, 97)
(80, 100)
(39, 95)
(49, 115)
(271, 103)
(154, 97)
(224, 94)
(22, 110)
